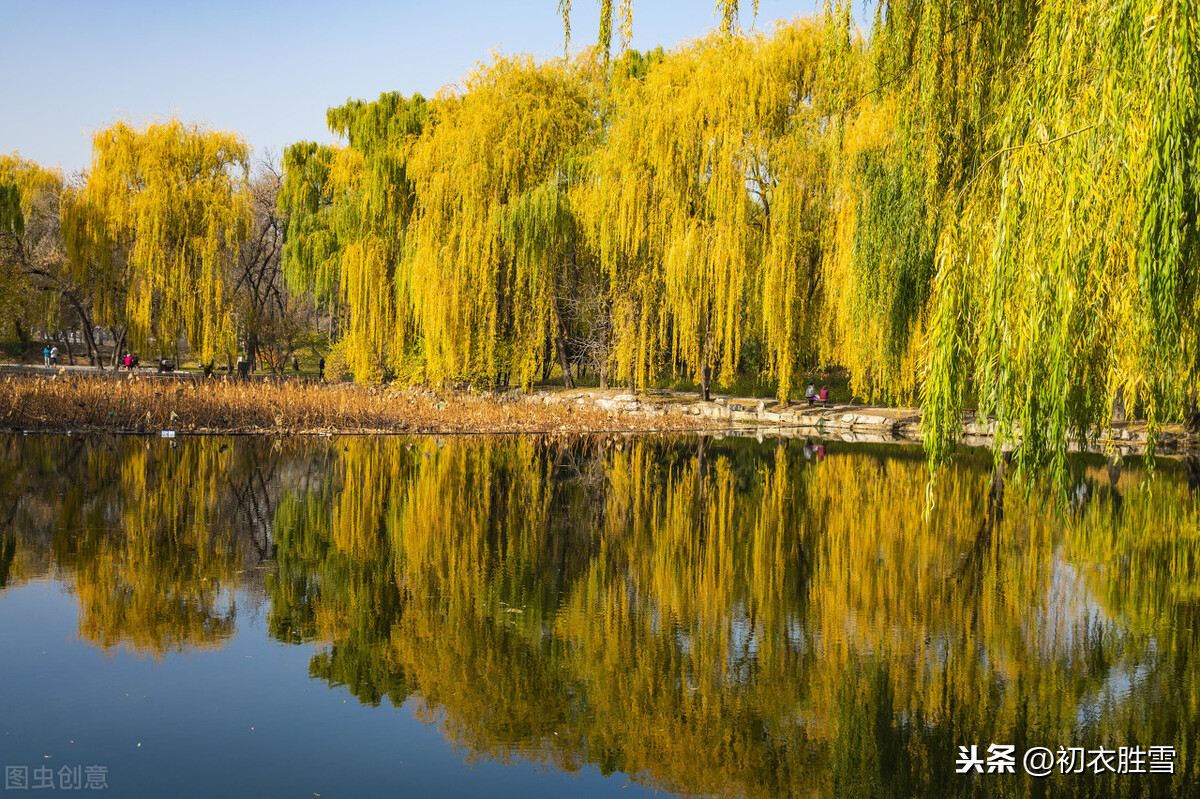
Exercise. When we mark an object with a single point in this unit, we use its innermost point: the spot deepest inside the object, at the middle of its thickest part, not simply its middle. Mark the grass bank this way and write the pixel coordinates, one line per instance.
(220, 405)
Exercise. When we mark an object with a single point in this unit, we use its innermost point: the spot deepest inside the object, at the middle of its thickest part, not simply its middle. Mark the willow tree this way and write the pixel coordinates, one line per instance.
(495, 247)
(915, 134)
(1068, 282)
(12, 222)
(727, 8)
(37, 286)
(347, 212)
(604, 38)
(161, 215)
(709, 187)
(30, 245)
(802, 80)
(21, 183)
(306, 203)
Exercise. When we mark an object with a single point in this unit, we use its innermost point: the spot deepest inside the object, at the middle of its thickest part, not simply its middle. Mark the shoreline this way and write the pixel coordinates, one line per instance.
(75, 402)
(849, 422)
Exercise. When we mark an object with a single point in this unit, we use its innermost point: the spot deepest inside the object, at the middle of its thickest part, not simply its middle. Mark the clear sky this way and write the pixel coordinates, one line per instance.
(268, 69)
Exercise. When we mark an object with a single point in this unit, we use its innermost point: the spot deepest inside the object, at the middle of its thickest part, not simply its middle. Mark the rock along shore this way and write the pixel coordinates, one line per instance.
(852, 423)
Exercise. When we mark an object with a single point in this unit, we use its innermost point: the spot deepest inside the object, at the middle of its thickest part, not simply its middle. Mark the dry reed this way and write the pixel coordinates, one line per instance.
(146, 404)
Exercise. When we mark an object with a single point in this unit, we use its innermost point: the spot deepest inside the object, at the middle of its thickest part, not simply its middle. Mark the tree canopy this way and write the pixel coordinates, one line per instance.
(162, 210)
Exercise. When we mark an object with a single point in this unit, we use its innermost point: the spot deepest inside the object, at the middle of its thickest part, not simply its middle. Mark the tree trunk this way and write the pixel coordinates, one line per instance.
(86, 329)
(252, 349)
(1191, 422)
(89, 338)
(547, 361)
(67, 344)
(1119, 405)
(119, 341)
(560, 344)
(23, 338)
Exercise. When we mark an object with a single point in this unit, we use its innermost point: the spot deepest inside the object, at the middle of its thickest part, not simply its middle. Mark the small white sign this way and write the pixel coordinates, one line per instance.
(168, 434)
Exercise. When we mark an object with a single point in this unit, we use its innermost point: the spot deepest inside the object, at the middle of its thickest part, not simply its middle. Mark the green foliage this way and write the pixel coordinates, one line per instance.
(310, 245)
(346, 212)
(1068, 265)
(12, 221)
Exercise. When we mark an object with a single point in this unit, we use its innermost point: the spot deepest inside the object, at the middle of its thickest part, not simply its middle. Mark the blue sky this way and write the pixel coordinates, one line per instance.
(269, 69)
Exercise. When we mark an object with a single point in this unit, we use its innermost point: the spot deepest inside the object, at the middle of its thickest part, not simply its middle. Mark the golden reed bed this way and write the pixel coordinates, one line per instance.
(221, 405)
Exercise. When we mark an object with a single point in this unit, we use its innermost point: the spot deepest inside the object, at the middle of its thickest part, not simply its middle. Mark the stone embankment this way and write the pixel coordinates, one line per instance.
(854, 423)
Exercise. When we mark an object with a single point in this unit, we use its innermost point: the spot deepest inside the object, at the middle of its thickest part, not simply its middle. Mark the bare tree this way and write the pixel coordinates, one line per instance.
(274, 321)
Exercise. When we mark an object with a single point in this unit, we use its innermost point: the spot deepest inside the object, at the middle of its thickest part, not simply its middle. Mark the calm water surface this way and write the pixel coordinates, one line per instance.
(587, 616)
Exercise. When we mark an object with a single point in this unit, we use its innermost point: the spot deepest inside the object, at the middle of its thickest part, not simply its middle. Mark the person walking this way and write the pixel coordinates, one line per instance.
(54, 355)
(46, 355)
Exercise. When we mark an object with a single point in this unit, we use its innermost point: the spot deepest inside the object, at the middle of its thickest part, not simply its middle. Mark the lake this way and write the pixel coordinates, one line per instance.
(607, 615)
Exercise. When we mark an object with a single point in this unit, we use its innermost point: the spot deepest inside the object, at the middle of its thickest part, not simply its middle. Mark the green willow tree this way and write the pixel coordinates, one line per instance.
(1015, 223)
(1068, 264)
(347, 211)
(914, 136)
(306, 199)
(162, 213)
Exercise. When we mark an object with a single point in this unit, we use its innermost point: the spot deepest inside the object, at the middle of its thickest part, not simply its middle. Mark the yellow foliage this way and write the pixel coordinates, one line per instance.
(164, 209)
(706, 199)
(493, 235)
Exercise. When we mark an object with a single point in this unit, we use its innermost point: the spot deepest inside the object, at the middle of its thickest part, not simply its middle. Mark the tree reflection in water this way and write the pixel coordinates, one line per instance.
(709, 616)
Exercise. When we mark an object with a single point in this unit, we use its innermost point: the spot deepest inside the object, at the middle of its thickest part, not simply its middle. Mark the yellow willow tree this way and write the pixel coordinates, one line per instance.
(157, 585)
(494, 245)
(30, 245)
(347, 211)
(707, 204)
(21, 181)
(722, 617)
(24, 184)
(1067, 285)
(37, 285)
(162, 212)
